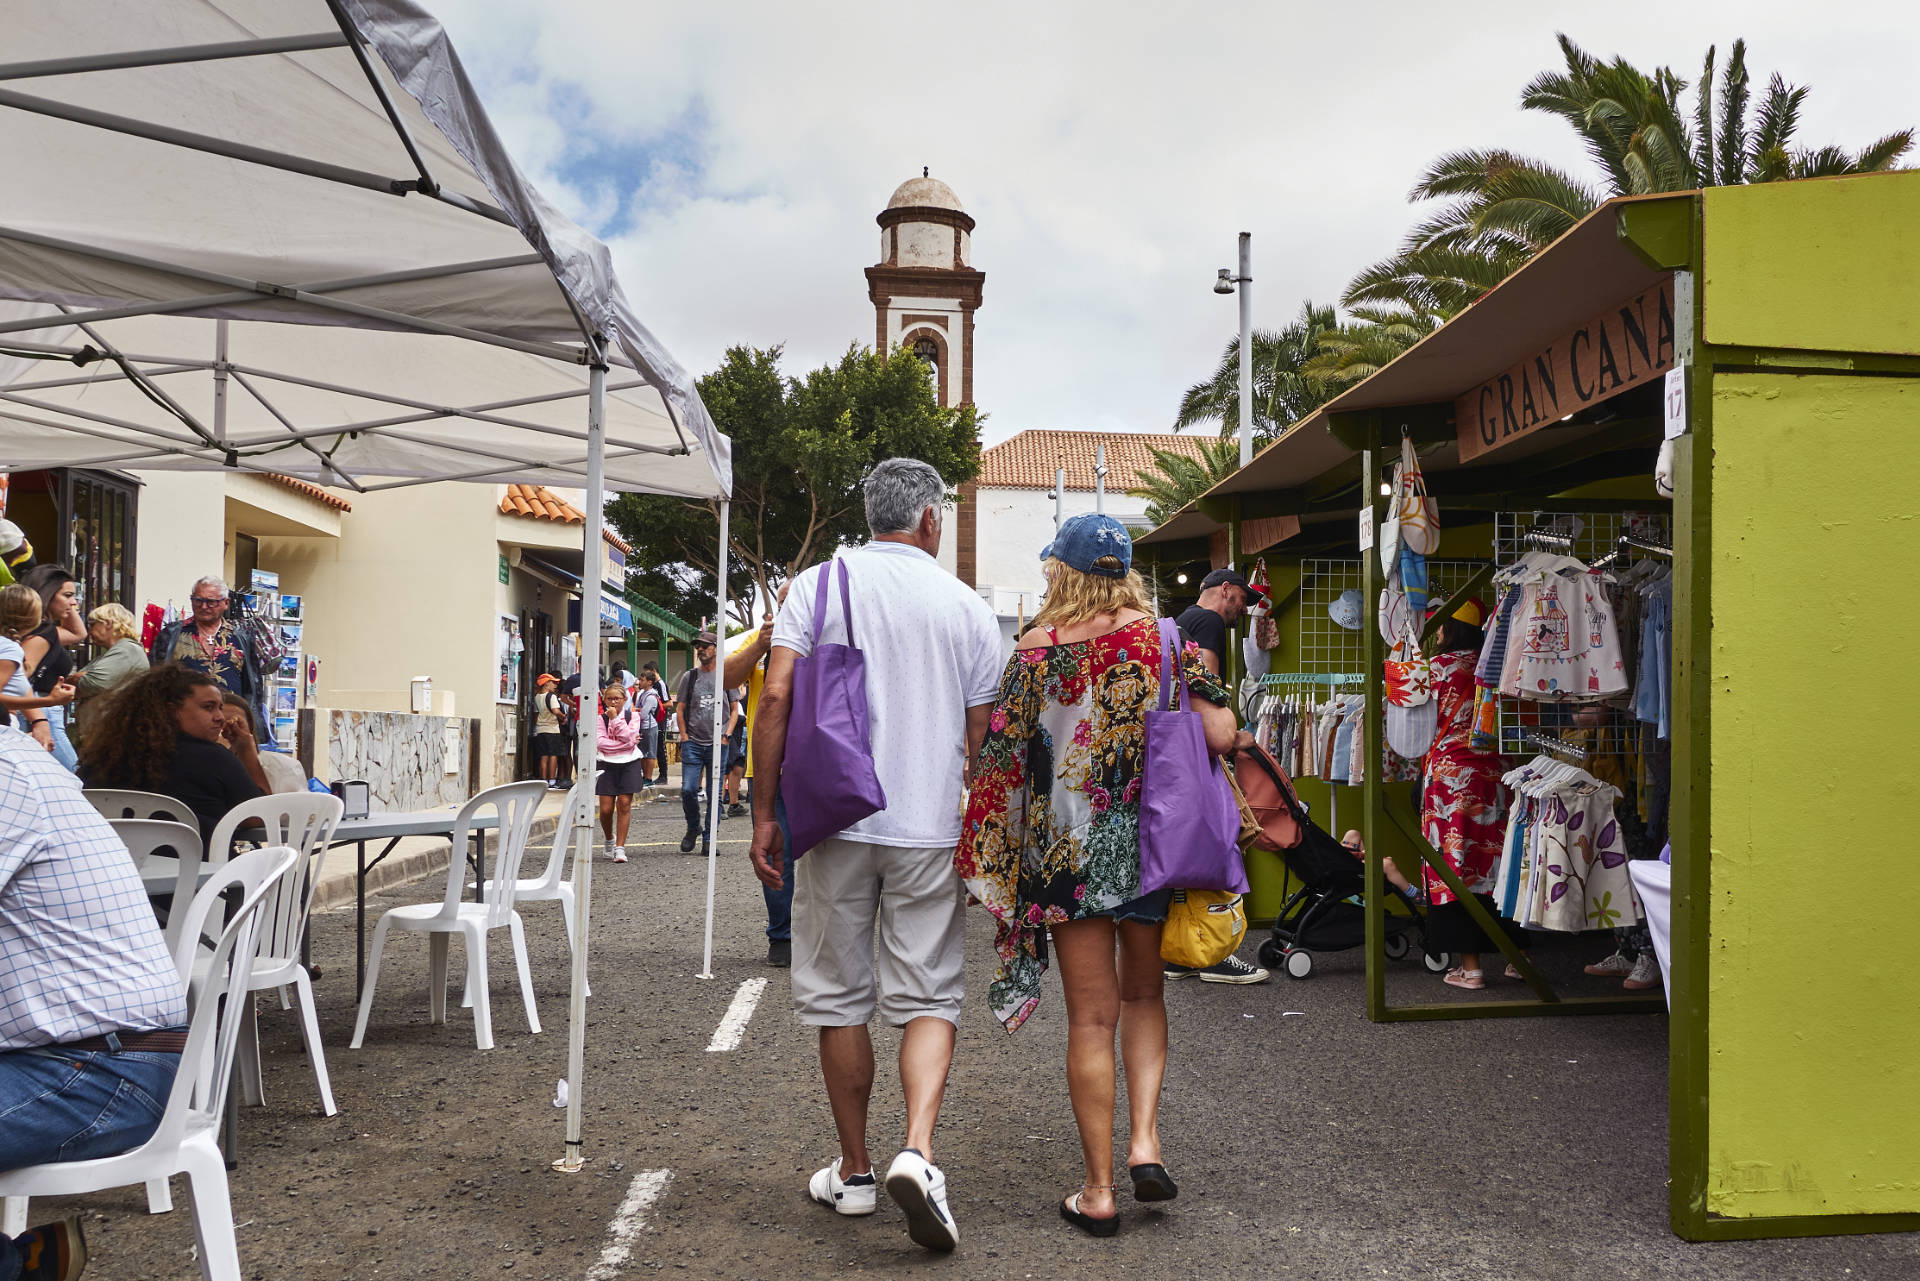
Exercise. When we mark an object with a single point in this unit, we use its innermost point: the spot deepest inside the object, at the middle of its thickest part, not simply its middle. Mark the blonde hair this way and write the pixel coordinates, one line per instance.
(117, 619)
(19, 610)
(1074, 597)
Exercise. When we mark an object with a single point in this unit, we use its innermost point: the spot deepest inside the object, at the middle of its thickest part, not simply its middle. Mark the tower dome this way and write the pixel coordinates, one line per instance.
(924, 193)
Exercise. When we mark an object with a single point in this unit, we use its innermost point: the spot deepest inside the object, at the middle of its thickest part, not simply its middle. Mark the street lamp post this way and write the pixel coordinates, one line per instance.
(1225, 283)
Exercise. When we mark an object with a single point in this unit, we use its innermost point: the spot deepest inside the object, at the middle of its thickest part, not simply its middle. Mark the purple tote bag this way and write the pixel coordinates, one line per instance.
(827, 778)
(1189, 821)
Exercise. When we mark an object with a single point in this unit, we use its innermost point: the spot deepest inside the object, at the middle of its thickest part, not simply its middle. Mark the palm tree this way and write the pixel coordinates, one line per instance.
(1503, 208)
(1177, 479)
(1282, 392)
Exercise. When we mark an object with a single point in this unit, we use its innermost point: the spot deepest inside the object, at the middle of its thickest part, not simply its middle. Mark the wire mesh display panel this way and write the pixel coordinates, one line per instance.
(1324, 645)
(1592, 730)
(1590, 535)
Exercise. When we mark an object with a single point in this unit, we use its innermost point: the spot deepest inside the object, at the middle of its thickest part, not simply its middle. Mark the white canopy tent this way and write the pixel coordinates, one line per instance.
(283, 236)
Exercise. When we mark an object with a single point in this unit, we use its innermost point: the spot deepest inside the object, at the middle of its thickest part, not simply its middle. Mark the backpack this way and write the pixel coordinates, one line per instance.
(1269, 794)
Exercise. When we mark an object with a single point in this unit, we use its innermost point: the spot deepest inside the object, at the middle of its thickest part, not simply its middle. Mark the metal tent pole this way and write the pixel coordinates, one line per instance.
(586, 754)
(1245, 281)
(717, 763)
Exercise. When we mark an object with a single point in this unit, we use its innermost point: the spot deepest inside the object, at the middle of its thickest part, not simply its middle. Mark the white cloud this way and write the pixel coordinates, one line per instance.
(1110, 153)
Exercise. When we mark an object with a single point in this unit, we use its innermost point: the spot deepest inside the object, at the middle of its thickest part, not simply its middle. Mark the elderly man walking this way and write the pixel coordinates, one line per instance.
(933, 660)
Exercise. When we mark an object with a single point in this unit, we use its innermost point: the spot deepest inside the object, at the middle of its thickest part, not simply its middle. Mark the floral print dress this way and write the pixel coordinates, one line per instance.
(1464, 807)
(1052, 831)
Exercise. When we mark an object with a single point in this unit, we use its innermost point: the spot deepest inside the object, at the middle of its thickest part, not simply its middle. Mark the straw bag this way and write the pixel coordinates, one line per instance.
(1203, 928)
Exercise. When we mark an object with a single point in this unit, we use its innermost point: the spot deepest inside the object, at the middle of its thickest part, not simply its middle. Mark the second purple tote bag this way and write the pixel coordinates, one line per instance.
(1189, 820)
(827, 778)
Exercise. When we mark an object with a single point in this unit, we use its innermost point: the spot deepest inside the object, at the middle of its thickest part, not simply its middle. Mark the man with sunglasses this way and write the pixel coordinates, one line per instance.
(208, 641)
(694, 699)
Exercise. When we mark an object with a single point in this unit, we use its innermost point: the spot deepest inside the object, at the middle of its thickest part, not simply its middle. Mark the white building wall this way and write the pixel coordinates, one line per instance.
(1014, 525)
(180, 536)
(925, 244)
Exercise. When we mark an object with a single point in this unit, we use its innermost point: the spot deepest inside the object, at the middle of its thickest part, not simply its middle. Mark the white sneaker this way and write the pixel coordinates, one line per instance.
(920, 1190)
(1614, 966)
(859, 1194)
(1646, 973)
(619, 854)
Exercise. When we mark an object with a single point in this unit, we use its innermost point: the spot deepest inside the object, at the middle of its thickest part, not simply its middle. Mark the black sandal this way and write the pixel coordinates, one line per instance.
(1070, 1211)
(1151, 1182)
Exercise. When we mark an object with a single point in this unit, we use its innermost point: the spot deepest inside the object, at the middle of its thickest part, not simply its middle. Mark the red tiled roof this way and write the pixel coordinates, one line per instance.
(1027, 461)
(311, 490)
(537, 502)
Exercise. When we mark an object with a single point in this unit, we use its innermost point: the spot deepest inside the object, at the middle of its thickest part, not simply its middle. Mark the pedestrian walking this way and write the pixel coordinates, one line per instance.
(932, 660)
(547, 742)
(699, 686)
(736, 753)
(1051, 843)
(654, 747)
(49, 662)
(620, 773)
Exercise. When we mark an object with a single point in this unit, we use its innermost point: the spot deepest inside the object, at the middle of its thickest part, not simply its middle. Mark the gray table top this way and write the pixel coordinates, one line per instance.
(438, 822)
(159, 874)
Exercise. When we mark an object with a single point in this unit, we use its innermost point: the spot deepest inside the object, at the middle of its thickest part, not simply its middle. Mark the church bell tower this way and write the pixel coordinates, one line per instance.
(924, 289)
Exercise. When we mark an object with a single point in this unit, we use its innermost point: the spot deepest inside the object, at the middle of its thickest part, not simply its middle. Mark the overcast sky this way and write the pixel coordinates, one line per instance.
(735, 155)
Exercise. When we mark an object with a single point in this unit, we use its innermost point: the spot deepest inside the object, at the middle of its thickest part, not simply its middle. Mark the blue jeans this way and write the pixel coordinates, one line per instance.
(62, 745)
(780, 901)
(58, 1104)
(696, 765)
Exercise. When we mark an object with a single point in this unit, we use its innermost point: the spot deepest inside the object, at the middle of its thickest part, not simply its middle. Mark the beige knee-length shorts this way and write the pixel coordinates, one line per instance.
(842, 889)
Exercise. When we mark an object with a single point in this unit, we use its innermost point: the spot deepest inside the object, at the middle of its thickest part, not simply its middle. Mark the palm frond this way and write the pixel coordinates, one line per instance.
(1732, 143)
(1881, 155)
(1769, 156)
(1703, 122)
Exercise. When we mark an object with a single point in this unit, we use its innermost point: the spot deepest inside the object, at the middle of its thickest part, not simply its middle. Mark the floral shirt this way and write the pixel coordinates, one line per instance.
(1052, 832)
(221, 658)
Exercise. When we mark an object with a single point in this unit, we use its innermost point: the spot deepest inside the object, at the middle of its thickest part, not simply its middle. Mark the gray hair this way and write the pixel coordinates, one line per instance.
(899, 491)
(212, 580)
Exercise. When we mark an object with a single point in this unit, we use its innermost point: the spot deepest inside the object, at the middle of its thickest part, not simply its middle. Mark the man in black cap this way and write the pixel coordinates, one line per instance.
(1224, 597)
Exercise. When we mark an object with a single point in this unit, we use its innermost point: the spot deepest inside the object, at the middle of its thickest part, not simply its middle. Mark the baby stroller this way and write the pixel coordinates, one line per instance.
(1326, 914)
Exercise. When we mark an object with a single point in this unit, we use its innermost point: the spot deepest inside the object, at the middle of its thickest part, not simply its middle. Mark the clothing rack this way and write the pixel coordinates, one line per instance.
(1553, 744)
(1629, 542)
(1334, 679)
(1549, 538)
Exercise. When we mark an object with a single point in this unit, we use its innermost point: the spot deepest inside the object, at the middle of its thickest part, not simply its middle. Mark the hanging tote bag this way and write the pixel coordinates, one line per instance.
(1189, 820)
(1266, 628)
(1418, 514)
(827, 778)
(1204, 927)
(1412, 713)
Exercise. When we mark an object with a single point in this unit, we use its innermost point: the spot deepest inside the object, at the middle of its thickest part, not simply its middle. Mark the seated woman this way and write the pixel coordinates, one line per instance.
(167, 731)
(283, 772)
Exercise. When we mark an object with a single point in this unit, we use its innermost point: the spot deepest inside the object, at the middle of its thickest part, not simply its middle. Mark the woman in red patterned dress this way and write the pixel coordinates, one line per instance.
(1463, 812)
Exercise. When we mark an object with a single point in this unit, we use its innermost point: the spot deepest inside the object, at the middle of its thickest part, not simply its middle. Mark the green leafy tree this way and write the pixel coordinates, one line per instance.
(1501, 208)
(801, 449)
(1177, 479)
(1284, 391)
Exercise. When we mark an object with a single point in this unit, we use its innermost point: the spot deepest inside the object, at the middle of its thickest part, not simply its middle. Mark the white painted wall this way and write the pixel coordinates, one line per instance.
(1014, 524)
(925, 244)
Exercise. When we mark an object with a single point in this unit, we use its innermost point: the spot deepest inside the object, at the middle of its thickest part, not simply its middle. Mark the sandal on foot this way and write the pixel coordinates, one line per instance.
(1472, 980)
(1514, 973)
(1151, 1182)
(1070, 1211)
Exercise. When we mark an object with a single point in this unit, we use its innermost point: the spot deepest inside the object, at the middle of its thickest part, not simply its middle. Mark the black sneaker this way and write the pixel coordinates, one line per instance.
(687, 842)
(52, 1251)
(736, 810)
(780, 953)
(1231, 970)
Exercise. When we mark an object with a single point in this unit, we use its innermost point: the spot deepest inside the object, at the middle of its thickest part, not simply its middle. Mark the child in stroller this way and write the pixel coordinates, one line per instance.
(1327, 912)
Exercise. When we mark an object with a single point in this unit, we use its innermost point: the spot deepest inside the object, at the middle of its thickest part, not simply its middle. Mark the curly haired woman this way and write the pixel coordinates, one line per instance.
(166, 732)
(1051, 843)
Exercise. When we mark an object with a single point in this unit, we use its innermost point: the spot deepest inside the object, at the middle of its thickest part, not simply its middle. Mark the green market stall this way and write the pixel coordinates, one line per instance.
(1791, 312)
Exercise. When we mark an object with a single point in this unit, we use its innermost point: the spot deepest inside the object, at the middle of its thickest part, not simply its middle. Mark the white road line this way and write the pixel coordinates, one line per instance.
(628, 1221)
(733, 1025)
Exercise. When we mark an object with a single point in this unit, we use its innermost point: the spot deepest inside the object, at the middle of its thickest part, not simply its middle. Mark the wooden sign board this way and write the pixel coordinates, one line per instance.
(1623, 347)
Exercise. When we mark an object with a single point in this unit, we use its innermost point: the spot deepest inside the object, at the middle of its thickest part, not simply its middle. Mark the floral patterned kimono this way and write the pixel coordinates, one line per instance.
(1052, 832)
(1464, 807)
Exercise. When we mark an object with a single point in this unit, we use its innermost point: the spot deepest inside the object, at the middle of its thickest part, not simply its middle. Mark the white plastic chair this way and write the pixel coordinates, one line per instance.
(187, 1140)
(552, 883)
(304, 821)
(118, 803)
(516, 804)
(142, 836)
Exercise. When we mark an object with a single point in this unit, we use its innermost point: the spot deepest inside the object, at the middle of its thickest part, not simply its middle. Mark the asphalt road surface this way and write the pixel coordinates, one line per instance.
(1307, 1142)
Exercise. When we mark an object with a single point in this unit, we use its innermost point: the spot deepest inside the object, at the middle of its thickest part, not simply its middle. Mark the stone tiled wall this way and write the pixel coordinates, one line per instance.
(404, 758)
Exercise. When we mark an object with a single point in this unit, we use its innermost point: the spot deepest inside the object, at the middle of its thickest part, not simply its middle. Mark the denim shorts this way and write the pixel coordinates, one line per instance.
(1150, 909)
(61, 1104)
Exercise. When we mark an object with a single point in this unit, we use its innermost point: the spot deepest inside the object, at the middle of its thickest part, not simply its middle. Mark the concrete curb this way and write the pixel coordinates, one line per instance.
(403, 867)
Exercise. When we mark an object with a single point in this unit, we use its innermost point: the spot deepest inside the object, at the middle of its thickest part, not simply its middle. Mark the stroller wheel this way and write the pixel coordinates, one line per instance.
(1437, 963)
(1397, 947)
(1271, 953)
(1298, 964)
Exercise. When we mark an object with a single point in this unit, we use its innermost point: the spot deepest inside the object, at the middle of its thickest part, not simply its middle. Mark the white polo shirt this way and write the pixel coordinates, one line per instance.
(933, 649)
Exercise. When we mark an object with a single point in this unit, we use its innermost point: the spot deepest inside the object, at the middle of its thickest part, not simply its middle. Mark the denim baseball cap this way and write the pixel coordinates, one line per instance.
(1081, 540)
